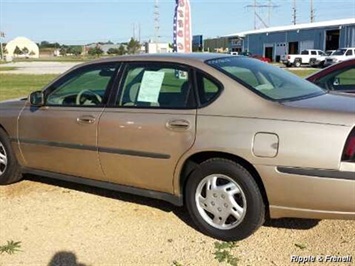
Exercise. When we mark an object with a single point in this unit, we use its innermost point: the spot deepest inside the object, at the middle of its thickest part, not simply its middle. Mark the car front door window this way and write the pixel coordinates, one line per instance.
(86, 87)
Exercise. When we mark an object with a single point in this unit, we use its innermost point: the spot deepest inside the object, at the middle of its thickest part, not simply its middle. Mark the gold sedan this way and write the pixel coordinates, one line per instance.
(232, 138)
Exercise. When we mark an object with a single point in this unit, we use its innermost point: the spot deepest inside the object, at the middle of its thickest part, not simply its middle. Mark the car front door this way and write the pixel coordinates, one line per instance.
(149, 127)
(61, 136)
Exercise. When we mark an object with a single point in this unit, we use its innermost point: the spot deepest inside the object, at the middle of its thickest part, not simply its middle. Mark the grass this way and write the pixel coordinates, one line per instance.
(7, 68)
(301, 246)
(11, 247)
(303, 72)
(223, 252)
(14, 86)
(55, 59)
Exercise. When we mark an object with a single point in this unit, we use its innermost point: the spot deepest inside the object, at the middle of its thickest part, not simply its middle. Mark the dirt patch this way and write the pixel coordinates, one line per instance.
(65, 224)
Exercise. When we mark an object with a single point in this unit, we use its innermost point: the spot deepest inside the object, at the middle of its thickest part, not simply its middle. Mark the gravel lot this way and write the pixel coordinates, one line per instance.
(39, 68)
(60, 223)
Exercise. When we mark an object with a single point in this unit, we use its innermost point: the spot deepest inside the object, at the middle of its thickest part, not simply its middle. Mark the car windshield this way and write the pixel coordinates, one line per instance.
(267, 81)
(339, 52)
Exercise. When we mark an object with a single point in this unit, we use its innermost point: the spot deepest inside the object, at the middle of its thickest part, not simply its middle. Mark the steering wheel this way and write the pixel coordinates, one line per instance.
(85, 95)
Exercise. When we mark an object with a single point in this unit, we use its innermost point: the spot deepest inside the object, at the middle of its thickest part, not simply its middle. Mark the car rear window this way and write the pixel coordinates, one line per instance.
(267, 81)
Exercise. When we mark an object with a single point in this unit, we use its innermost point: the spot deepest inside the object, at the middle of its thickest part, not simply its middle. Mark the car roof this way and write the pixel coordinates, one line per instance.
(173, 57)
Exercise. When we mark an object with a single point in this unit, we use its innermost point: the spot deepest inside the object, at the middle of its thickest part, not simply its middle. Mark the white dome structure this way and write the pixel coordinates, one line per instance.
(32, 50)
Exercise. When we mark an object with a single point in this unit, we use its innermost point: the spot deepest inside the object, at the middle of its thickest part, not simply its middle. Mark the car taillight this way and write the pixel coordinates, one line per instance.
(349, 149)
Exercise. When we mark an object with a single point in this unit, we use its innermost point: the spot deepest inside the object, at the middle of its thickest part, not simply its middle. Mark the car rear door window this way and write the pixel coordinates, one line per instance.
(208, 88)
(156, 85)
(349, 52)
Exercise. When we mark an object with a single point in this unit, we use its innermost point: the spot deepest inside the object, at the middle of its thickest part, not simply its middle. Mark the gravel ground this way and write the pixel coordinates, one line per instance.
(38, 68)
(60, 223)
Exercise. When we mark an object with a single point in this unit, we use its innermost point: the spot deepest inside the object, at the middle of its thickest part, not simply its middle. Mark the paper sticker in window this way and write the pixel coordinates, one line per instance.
(150, 86)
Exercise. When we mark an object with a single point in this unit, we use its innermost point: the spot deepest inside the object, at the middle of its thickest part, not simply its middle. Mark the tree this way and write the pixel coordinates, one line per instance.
(75, 50)
(32, 53)
(45, 44)
(133, 46)
(25, 50)
(3, 52)
(17, 51)
(63, 50)
(121, 50)
(97, 51)
(112, 51)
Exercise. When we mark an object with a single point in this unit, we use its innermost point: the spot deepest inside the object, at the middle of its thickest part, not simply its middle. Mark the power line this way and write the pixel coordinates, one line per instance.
(312, 12)
(257, 17)
(156, 21)
(294, 9)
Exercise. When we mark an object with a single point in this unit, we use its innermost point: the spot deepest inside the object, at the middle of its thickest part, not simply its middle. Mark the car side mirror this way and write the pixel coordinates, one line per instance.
(36, 98)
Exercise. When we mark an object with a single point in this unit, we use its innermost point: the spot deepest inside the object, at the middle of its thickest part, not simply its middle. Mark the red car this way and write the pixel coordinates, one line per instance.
(337, 77)
(261, 58)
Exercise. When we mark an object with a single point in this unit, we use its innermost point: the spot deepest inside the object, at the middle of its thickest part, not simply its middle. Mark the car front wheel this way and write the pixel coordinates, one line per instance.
(224, 200)
(9, 168)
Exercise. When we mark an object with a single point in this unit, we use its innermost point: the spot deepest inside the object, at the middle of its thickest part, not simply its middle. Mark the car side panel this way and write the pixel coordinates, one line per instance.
(287, 192)
(9, 112)
(295, 140)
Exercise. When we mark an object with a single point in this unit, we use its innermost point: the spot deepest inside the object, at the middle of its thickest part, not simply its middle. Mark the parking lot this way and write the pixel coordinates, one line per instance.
(38, 68)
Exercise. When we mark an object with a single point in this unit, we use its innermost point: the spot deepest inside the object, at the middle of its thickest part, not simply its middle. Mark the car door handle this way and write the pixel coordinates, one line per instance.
(86, 119)
(180, 124)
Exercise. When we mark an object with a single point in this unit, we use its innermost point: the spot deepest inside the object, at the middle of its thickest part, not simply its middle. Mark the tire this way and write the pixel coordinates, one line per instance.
(297, 63)
(312, 62)
(9, 167)
(229, 214)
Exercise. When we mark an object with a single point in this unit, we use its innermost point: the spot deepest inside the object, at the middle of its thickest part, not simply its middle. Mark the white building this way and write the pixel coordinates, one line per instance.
(154, 48)
(32, 50)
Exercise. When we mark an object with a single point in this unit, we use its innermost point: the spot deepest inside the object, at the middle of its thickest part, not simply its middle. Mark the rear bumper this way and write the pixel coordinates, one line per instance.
(309, 193)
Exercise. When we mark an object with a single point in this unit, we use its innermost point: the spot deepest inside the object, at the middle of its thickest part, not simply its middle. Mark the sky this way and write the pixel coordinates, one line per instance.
(87, 21)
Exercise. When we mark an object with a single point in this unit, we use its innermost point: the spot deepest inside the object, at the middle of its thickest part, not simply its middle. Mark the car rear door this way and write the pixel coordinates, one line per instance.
(61, 136)
(149, 126)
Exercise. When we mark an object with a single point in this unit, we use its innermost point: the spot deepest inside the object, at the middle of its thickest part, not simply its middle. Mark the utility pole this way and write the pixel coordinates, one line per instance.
(294, 21)
(312, 12)
(139, 33)
(156, 23)
(2, 35)
(134, 31)
(255, 14)
(257, 17)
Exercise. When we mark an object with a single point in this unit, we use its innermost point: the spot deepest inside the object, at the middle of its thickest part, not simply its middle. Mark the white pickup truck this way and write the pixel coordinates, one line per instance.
(308, 56)
(340, 55)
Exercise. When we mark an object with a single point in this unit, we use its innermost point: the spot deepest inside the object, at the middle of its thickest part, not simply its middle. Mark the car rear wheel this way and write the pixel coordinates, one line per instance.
(224, 200)
(297, 63)
(9, 168)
